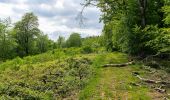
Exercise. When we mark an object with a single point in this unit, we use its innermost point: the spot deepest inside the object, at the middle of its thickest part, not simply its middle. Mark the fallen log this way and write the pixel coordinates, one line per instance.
(118, 65)
(153, 81)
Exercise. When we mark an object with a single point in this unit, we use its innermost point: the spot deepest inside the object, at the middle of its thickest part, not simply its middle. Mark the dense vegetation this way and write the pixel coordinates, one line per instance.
(138, 27)
(45, 76)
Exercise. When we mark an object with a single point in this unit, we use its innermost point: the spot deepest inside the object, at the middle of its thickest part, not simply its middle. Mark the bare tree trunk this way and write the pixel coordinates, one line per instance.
(142, 6)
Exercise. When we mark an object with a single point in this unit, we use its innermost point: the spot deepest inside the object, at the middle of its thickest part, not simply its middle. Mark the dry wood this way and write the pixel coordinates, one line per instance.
(160, 90)
(153, 81)
(148, 68)
(118, 65)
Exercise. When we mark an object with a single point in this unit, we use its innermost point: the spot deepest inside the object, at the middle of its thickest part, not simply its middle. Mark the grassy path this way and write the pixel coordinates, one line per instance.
(116, 83)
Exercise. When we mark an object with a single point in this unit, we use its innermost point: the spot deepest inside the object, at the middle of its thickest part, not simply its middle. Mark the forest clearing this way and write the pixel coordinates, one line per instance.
(85, 50)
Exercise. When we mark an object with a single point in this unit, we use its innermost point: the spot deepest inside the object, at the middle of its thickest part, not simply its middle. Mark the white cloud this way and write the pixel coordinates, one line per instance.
(55, 16)
(6, 10)
(59, 4)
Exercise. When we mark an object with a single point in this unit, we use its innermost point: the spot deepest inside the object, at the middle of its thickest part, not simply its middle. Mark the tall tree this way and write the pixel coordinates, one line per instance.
(26, 32)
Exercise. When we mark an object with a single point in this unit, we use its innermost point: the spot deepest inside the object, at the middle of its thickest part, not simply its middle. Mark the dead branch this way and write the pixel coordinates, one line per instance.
(148, 68)
(153, 81)
(118, 65)
(160, 90)
(80, 18)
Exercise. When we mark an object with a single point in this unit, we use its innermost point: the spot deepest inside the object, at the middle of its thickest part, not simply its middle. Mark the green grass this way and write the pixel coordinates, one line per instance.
(114, 83)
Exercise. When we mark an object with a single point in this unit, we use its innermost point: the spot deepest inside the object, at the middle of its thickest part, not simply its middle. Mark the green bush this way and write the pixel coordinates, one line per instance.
(149, 40)
(86, 49)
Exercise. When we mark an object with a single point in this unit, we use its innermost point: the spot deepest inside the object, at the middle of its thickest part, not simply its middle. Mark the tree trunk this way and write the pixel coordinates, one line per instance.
(142, 6)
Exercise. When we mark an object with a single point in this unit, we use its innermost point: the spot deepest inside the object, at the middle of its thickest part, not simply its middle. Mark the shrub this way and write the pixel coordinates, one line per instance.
(86, 49)
(45, 76)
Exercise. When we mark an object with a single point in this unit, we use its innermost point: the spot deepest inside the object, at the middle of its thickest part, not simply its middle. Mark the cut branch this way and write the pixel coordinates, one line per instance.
(160, 90)
(153, 81)
(118, 65)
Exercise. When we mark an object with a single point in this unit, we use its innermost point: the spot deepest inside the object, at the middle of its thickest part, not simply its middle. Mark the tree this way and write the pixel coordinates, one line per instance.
(60, 42)
(43, 43)
(108, 38)
(7, 43)
(74, 40)
(121, 17)
(26, 32)
(92, 41)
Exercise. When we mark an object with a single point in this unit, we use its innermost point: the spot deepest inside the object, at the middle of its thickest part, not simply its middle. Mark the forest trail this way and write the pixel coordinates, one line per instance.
(117, 83)
(113, 83)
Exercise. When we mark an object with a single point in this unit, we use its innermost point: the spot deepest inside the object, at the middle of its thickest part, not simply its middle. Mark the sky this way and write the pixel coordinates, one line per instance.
(56, 17)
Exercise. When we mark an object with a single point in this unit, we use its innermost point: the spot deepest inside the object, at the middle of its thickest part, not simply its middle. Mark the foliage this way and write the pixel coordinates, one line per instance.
(92, 41)
(23, 39)
(26, 32)
(7, 42)
(144, 39)
(60, 42)
(130, 24)
(166, 10)
(74, 40)
(43, 43)
(87, 49)
(46, 76)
